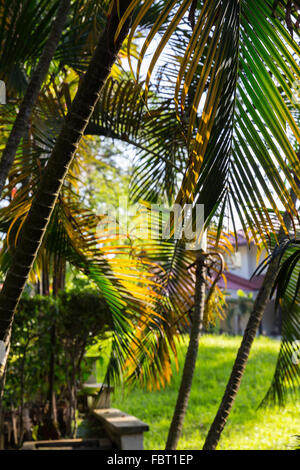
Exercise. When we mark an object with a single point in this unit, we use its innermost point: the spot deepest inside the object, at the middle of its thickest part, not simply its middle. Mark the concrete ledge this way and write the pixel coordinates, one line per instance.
(125, 430)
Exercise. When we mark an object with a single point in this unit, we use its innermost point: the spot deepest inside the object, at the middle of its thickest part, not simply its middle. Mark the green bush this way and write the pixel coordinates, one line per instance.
(58, 331)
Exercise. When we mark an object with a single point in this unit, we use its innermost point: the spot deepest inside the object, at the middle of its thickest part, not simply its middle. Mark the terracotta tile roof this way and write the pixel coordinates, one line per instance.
(235, 282)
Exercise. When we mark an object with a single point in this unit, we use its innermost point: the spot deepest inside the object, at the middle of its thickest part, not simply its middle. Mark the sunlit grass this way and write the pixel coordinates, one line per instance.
(247, 428)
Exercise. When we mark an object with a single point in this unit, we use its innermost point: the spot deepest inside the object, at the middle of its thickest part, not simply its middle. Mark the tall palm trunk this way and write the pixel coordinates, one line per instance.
(190, 359)
(57, 285)
(53, 176)
(21, 122)
(242, 357)
(51, 418)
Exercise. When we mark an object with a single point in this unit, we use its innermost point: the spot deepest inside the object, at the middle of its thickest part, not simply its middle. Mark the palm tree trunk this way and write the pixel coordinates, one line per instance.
(52, 413)
(53, 176)
(190, 359)
(57, 285)
(242, 357)
(32, 93)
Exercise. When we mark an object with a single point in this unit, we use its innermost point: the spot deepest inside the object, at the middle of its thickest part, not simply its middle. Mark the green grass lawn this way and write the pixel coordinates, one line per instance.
(247, 428)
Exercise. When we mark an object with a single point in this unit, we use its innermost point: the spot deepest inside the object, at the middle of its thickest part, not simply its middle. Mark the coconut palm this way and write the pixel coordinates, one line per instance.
(242, 356)
(232, 72)
(282, 275)
(75, 123)
(237, 72)
(129, 121)
(71, 234)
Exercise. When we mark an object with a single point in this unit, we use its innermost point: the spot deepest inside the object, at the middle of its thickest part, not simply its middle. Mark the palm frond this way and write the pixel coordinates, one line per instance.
(154, 132)
(286, 379)
(233, 96)
(126, 284)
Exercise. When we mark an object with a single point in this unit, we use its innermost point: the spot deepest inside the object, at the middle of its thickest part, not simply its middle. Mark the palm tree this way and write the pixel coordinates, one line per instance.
(204, 262)
(191, 356)
(247, 101)
(284, 277)
(242, 356)
(233, 73)
(75, 123)
(71, 234)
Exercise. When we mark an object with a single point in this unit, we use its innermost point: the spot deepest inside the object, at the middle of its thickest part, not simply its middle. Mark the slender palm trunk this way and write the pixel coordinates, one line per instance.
(32, 93)
(52, 413)
(53, 176)
(57, 285)
(190, 359)
(242, 357)
(22, 392)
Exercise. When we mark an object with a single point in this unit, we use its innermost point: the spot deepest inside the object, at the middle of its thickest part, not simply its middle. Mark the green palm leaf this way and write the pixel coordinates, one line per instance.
(239, 65)
(286, 379)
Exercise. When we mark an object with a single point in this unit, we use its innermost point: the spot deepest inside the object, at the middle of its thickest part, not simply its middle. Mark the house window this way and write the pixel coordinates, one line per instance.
(234, 261)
